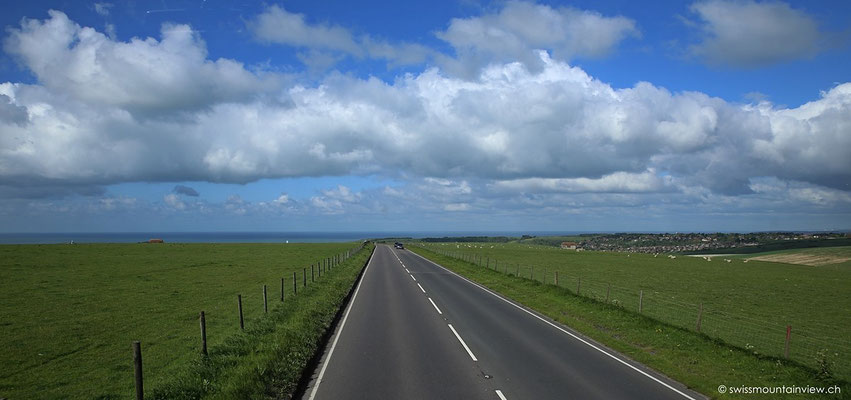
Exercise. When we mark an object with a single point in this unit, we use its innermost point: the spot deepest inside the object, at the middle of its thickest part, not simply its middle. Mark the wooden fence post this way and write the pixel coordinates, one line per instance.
(295, 284)
(304, 276)
(640, 301)
(137, 366)
(312, 274)
(282, 289)
(608, 289)
(788, 339)
(241, 320)
(578, 284)
(699, 317)
(532, 273)
(556, 278)
(203, 335)
(265, 302)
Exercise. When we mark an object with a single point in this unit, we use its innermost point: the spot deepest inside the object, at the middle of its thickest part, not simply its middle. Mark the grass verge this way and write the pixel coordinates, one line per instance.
(268, 358)
(696, 360)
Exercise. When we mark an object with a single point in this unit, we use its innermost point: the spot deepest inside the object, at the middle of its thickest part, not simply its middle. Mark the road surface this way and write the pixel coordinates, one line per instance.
(414, 330)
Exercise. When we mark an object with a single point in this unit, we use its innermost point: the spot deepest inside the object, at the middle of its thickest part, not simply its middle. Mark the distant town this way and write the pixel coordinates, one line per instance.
(689, 243)
(707, 242)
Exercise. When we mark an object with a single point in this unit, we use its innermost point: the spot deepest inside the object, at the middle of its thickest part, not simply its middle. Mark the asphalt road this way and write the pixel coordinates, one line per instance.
(414, 330)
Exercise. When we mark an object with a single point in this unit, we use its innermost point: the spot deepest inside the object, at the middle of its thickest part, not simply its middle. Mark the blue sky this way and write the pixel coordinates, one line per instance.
(389, 116)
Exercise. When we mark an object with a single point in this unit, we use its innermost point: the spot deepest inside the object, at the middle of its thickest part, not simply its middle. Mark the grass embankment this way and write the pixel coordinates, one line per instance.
(70, 313)
(701, 362)
(748, 304)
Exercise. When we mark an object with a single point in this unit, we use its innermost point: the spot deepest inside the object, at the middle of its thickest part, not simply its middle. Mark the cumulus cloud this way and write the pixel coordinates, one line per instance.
(752, 34)
(327, 44)
(541, 134)
(618, 182)
(174, 201)
(103, 8)
(185, 190)
(146, 77)
(278, 25)
(520, 29)
(11, 112)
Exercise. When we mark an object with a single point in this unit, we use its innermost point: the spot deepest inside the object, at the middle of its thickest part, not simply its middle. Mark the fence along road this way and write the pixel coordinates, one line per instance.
(414, 330)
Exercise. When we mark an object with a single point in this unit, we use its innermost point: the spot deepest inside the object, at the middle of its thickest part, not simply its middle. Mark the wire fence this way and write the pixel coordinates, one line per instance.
(307, 277)
(816, 345)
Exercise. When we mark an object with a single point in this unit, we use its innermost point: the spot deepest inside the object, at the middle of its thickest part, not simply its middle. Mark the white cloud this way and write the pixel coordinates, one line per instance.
(103, 8)
(145, 77)
(174, 201)
(457, 207)
(750, 34)
(552, 131)
(327, 44)
(282, 199)
(618, 182)
(278, 25)
(519, 29)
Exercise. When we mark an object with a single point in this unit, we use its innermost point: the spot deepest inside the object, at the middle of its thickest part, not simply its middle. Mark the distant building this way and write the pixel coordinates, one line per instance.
(156, 241)
(568, 245)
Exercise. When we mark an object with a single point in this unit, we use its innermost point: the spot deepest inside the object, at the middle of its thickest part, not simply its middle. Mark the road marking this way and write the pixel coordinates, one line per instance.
(421, 287)
(342, 325)
(501, 396)
(561, 329)
(435, 306)
(462, 342)
(406, 270)
(412, 277)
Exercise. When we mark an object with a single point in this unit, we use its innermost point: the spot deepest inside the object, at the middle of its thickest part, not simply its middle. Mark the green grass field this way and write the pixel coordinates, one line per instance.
(69, 313)
(697, 360)
(748, 304)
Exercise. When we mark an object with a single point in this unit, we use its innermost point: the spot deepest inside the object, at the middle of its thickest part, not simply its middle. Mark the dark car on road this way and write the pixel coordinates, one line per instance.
(399, 246)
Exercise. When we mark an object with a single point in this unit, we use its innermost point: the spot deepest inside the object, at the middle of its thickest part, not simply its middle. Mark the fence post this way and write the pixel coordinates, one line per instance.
(532, 273)
(241, 320)
(495, 264)
(282, 289)
(295, 284)
(578, 284)
(203, 335)
(788, 339)
(640, 301)
(699, 317)
(608, 289)
(312, 274)
(556, 278)
(518, 270)
(265, 302)
(488, 265)
(304, 276)
(137, 366)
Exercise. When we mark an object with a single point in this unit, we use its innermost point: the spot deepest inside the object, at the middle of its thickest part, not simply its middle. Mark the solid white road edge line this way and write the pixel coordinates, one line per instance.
(421, 287)
(561, 329)
(435, 306)
(342, 325)
(501, 396)
(462, 342)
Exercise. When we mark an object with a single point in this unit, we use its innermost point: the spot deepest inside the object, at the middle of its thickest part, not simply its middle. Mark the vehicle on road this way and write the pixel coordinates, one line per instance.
(399, 246)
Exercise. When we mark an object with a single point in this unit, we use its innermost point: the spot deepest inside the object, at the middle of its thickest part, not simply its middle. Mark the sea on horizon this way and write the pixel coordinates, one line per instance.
(234, 237)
